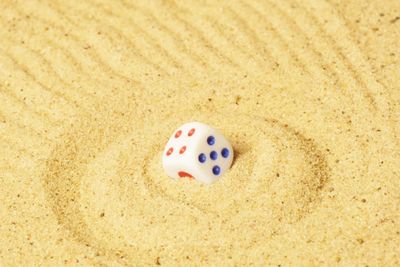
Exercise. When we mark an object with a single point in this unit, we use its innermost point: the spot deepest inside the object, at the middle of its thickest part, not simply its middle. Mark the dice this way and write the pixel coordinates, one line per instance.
(197, 151)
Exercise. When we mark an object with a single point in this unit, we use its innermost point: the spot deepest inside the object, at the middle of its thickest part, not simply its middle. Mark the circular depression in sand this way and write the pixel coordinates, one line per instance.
(119, 192)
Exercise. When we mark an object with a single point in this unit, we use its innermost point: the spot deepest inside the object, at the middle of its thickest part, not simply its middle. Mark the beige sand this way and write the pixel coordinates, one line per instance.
(307, 91)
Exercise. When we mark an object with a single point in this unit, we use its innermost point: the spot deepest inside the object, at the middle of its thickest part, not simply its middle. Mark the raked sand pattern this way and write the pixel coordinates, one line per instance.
(306, 91)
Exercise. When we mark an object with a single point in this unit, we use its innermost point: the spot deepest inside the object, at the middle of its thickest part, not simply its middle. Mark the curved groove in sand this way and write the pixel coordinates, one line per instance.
(266, 162)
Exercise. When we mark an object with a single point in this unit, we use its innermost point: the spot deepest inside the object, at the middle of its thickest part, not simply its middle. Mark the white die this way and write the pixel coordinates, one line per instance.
(197, 151)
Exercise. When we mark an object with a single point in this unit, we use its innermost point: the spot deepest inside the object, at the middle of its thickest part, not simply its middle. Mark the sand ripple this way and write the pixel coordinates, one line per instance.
(306, 92)
(275, 178)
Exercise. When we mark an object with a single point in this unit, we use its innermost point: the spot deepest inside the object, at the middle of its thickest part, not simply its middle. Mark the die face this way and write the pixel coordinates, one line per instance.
(181, 168)
(179, 151)
(195, 150)
(213, 155)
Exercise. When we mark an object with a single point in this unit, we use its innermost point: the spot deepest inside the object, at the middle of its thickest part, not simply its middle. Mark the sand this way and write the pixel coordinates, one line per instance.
(307, 92)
